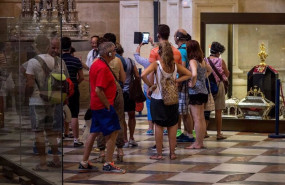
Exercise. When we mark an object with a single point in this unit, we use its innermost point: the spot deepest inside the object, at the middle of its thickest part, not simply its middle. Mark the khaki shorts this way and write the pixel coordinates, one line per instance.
(220, 100)
(67, 114)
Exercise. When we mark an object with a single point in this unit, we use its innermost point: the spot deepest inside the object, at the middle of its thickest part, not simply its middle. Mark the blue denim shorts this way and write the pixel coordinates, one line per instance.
(105, 121)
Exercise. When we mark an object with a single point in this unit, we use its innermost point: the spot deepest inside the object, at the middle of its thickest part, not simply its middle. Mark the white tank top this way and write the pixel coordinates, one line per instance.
(157, 76)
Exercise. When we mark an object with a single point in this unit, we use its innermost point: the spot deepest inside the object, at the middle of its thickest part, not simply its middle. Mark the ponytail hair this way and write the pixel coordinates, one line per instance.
(166, 54)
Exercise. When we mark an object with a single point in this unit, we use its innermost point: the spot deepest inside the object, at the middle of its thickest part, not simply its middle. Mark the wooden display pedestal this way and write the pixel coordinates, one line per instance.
(248, 125)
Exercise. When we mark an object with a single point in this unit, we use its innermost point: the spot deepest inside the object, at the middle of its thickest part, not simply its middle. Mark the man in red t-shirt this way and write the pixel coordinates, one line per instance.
(104, 118)
(163, 35)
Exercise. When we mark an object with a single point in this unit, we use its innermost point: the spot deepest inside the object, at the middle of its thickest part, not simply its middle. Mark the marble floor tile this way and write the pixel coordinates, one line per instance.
(229, 184)
(235, 178)
(270, 144)
(72, 158)
(158, 178)
(265, 177)
(202, 168)
(241, 159)
(197, 177)
(227, 133)
(182, 151)
(243, 151)
(138, 159)
(220, 144)
(269, 159)
(207, 159)
(277, 168)
(243, 168)
(160, 167)
(128, 177)
(148, 184)
(67, 175)
(247, 138)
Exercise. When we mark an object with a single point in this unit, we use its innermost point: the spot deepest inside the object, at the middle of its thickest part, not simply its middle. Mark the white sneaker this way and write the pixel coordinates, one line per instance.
(132, 142)
(126, 145)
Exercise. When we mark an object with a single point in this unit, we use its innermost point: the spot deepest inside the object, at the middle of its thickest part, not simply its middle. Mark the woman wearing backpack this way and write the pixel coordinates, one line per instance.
(198, 93)
(164, 115)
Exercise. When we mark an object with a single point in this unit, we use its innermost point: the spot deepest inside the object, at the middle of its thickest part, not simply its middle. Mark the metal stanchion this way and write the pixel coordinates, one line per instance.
(277, 103)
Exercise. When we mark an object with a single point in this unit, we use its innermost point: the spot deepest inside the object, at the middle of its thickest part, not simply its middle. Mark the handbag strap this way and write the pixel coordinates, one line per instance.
(209, 86)
(215, 69)
(132, 70)
(110, 69)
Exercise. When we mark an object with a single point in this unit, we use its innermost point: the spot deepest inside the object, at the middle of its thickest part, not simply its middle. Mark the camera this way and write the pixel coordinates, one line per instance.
(141, 37)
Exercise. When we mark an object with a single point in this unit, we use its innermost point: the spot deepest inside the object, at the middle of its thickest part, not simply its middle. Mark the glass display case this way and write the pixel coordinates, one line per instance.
(31, 128)
(242, 34)
(34, 151)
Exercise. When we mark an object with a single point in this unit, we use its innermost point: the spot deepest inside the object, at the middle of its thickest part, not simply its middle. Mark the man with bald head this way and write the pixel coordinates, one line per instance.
(41, 111)
(180, 38)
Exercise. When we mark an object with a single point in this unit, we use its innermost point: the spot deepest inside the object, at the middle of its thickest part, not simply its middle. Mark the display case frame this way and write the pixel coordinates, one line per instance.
(236, 18)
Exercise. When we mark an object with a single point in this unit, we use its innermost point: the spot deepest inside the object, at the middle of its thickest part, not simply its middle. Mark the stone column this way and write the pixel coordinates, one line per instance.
(135, 16)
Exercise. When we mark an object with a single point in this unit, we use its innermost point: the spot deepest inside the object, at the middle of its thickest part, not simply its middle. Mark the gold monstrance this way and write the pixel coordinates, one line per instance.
(262, 55)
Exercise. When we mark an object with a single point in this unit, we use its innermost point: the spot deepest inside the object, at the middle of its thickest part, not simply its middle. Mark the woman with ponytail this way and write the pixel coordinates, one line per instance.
(164, 115)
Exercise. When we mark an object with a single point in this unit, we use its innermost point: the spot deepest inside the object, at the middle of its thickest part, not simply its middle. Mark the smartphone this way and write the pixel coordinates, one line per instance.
(145, 37)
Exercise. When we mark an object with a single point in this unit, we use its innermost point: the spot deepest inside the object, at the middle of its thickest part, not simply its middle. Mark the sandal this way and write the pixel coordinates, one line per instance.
(221, 137)
(38, 168)
(157, 157)
(53, 164)
(172, 156)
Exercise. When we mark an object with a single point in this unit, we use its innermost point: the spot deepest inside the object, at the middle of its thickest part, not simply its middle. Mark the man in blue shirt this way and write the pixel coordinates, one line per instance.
(180, 38)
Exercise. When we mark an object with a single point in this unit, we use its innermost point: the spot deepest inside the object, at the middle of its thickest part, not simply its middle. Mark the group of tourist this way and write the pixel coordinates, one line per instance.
(174, 86)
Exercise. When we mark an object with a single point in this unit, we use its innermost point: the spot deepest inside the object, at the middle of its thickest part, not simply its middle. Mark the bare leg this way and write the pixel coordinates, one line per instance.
(52, 135)
(200, 125)
(179, 122)
(188, 123)
(172, 139)
(40, 144)
(66, 128)
(150, 125)
(132, 123)
(75, 127)
(158, 138)
(111, 141)
(218, 118)
(89, 145)
(125, 132)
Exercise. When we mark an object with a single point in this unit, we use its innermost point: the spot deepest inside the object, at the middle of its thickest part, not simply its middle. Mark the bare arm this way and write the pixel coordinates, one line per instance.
(122, 73)
(136, 72)
(101, 95)
(29, 89)
(184, 73)
(80, 76)
(151, 68)
(85, 66)
(224, 66)
(193, 67)
(209, 69)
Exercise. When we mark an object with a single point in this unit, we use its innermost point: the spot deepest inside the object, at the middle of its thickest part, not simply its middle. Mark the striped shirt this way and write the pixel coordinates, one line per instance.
(154, 56)
(73, 65)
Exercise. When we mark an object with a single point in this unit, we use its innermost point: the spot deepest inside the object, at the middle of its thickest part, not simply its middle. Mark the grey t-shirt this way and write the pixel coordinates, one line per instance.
(128, 74)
